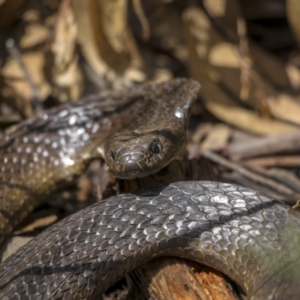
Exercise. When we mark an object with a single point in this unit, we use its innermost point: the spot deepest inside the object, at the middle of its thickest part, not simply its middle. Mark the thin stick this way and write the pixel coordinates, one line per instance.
(235, 177)
(265, 146)
(251, 175)
(138, 9)
(14, 52)
(274, 161)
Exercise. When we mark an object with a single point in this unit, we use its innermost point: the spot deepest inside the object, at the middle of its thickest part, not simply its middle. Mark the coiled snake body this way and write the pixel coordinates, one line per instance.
(138, 131)
(249, 237)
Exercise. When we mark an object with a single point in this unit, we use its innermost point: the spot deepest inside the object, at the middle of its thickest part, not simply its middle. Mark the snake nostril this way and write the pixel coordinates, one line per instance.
(112, 155)
(155, 148)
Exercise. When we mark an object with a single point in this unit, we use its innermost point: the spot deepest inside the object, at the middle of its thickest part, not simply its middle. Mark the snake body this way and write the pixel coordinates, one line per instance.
(251, 238)
(137, 131)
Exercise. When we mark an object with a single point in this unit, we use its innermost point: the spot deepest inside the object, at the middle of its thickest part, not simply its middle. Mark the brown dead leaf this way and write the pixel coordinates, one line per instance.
(217, 8)
(112, 36)
(293, 13)
(215, 62)
(227, 16)
(217, 138)
(227, 76)
(90, 35)
(34, 34)
(248, 120)
(285, 107)
(86, 38)
(119, 35)
(282, 75)
(223, 55)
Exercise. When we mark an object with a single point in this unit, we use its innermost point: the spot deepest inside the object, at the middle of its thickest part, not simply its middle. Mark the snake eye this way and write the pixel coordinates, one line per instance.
(112, 155)
(155, 148)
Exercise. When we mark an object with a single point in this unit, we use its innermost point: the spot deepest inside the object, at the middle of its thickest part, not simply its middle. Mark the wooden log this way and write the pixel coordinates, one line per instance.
(178, 279)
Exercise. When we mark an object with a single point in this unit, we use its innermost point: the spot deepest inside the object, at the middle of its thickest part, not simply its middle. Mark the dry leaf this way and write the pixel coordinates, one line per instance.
(34, 34)
(104, 61)
(16, 80)
(248, 120)
(224, 55)
(227, 77)
(227, 15)
(112, 36)
(86, 38)
(66, 72)
(284, 107)
(282, 75)
(293, 13)
(217, 138)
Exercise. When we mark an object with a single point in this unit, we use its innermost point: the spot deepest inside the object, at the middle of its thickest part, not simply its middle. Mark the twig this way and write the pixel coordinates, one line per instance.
(249, 174)
(283, 176)
(14, 52)
(274, 161)
(235, 177)
(8, 120)
(138, 9)
(267, 145)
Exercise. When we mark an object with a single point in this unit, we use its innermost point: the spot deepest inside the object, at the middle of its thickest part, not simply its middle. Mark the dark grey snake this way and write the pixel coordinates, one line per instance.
(138, 131)
(252, 239)
(249, 237)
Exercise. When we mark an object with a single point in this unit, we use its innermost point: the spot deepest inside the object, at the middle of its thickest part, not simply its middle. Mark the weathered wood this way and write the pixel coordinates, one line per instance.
(179, 279)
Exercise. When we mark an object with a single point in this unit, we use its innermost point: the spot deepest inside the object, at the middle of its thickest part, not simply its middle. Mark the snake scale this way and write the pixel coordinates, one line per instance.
(138, 131)
(251, 238)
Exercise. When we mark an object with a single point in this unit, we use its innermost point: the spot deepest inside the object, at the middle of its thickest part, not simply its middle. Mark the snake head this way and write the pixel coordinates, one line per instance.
(143, 152)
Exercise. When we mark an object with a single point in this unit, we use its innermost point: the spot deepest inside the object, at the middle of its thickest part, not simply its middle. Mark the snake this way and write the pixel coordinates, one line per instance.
(249, 237)
(137, 131)
(246, 235)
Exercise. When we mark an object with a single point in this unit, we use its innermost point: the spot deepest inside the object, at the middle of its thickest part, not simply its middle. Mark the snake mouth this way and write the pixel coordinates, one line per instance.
(128, 175)
(132, 166)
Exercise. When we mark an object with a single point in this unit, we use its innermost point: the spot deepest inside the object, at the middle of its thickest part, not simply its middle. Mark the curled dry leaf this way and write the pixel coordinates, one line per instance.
(226, 76)
(112, 17)
(106, 39)
(227, 15)
(285, 107)
(217, 139)
(34, 34)
(86, 39)
(248, 120)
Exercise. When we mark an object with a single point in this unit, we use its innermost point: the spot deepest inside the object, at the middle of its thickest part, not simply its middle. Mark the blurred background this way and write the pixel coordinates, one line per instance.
(244, 53)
